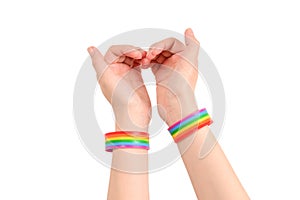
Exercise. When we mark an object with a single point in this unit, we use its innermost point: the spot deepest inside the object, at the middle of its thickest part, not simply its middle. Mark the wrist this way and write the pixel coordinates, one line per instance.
(132, 120)
(186, 106)
(138, 123)
(127, 127)
(190, 124)
(199, 138)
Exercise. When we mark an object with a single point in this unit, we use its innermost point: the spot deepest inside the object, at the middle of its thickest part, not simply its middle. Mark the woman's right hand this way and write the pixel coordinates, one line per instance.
(119, 76)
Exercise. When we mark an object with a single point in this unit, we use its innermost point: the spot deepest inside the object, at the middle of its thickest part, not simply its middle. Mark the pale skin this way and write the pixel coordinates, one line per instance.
(212, 176)
(130, 105)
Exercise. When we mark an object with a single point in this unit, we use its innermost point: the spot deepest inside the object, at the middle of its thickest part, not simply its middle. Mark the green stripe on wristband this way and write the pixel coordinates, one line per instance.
(189, 124)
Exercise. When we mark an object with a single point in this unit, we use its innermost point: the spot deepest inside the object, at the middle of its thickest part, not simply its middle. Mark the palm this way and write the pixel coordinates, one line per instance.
(175, 69)
(172, 70)
(128, 88)
(122, 85)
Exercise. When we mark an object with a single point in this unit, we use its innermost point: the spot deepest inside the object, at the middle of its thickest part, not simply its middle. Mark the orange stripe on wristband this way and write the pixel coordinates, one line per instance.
(128, 139)
(189, 125)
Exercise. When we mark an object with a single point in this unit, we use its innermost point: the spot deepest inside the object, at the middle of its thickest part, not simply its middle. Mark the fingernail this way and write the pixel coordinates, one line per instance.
(190, 31)
(91, 51)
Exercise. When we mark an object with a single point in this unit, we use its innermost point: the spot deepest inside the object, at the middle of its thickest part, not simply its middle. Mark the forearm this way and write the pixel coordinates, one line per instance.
(212, 176)
(132, 184)
(129, 174)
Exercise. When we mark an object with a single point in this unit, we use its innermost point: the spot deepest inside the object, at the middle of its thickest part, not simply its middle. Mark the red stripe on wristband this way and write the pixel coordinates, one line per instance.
(126, 139)
(189, 125)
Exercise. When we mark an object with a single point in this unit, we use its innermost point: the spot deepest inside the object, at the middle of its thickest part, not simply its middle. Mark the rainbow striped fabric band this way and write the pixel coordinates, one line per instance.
(128, 140)
(189, 124)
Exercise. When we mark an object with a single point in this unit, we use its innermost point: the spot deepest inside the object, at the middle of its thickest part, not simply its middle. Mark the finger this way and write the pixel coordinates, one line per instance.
(145, 62)
(160, 59)
(98, 61)
(129, 61)
(166, 54)
(137, 63)
(172, 45)
(191, 41)
(116, 51)
(122, 59)
(155, 68)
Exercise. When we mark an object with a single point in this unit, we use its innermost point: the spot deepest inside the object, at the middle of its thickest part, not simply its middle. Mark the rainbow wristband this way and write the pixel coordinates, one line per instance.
(189, 125)
(126, 140)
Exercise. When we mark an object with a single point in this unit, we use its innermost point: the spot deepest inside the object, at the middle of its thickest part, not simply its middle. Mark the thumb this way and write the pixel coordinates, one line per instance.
(191, 41)
(98, 61)
(191, 52)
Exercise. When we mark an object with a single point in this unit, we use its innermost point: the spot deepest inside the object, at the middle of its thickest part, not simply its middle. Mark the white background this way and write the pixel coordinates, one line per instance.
(254, 44)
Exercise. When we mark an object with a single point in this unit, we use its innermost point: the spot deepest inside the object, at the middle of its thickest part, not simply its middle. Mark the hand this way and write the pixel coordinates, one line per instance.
(175, 66)
(121, 82)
